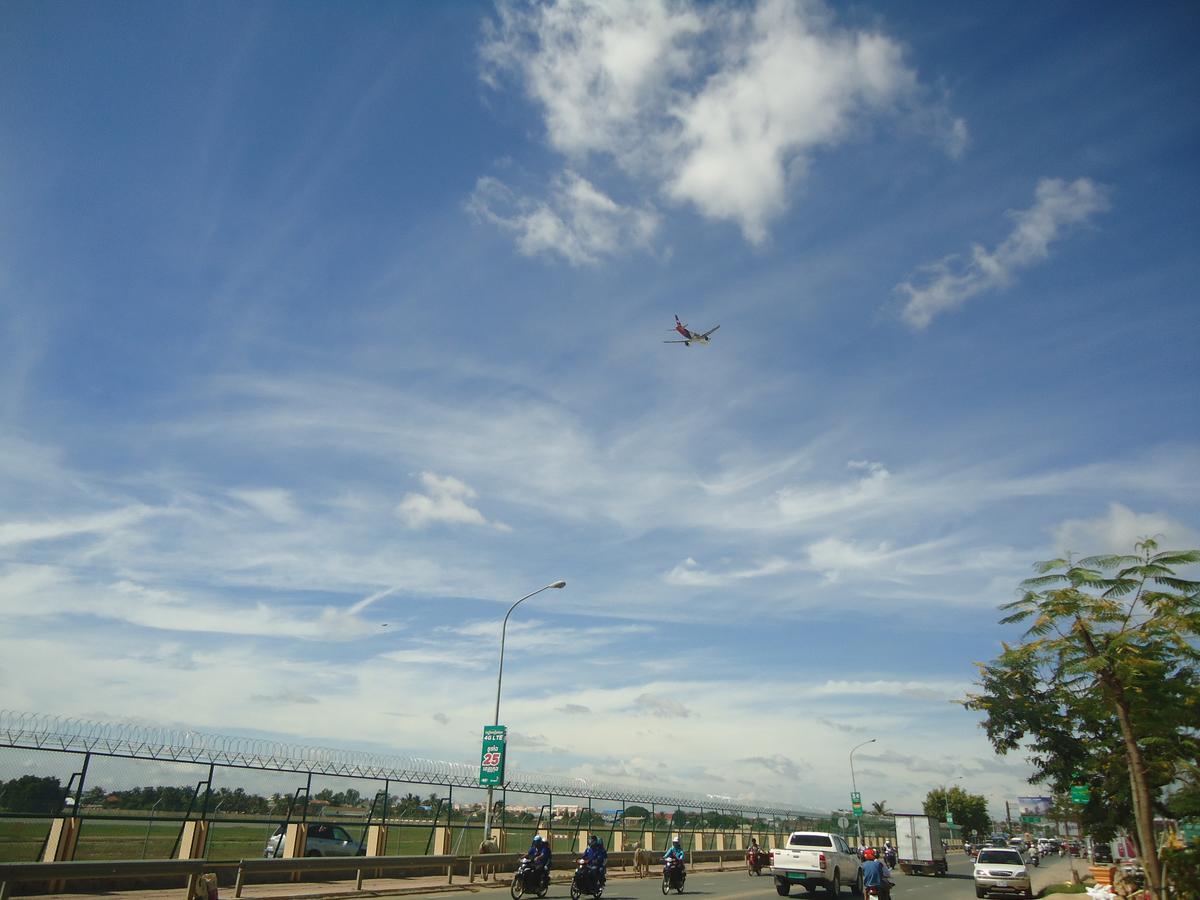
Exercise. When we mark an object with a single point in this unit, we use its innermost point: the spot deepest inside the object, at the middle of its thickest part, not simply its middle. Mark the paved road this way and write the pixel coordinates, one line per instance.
(713, 885)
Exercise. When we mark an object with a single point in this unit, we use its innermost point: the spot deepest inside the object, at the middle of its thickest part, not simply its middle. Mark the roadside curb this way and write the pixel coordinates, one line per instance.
(471, 888)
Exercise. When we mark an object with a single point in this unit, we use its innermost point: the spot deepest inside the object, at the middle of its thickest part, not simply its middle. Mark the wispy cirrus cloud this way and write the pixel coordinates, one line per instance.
(577, 222)
(949, 283)
(689, 573)
(99, 523)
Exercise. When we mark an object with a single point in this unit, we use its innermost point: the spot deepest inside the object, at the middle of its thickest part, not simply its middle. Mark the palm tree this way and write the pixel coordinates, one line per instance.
(879, 808)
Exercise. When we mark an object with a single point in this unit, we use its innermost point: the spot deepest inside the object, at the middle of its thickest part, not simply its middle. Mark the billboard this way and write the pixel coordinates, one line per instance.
(491, 758)
(1034, 809)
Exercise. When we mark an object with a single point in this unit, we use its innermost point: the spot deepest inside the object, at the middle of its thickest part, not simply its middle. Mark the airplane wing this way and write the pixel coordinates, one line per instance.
(676, 342)
(710, 331)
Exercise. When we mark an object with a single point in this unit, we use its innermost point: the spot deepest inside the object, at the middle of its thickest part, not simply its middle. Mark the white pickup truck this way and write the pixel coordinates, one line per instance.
(815, 859)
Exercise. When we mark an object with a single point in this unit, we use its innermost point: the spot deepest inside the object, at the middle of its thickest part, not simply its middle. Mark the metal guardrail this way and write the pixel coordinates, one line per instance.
(360, 865)
(24, 872)
(363, 866)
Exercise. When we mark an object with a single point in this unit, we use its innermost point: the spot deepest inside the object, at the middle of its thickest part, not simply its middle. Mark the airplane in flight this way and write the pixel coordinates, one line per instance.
(691, 337)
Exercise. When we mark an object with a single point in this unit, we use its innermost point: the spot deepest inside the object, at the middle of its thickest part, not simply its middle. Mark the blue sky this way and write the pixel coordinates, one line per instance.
(315, 317)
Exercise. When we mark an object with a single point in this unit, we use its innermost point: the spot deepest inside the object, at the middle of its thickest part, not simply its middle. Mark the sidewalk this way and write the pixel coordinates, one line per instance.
(344, 889)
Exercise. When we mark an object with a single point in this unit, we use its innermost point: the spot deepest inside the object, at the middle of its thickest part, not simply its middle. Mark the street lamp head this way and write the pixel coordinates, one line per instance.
(559, 584)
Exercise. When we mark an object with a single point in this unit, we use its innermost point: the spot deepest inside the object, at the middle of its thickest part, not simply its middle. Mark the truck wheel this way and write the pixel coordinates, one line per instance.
(782, 887)
(835, 886)
(980, 892)
(857, 890)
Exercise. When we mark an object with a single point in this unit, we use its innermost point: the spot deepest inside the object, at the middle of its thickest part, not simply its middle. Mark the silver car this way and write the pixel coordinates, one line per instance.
(322, 840)
(1000, 870)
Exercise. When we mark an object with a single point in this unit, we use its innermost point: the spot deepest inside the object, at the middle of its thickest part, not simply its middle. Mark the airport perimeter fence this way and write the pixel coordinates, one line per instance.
(133, 791)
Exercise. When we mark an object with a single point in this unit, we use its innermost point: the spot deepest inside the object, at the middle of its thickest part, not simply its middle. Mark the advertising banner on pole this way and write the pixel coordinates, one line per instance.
(491, 758)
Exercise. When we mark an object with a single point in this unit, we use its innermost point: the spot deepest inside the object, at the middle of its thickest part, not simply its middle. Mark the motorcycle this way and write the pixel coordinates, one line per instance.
(674, 875)
(1035, 859)
(756, 860)
(879, 893)
(529, 879)
(889, 858)
(585, 881)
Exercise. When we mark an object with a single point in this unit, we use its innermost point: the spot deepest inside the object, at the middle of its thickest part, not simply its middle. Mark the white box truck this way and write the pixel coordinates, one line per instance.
(919, 849)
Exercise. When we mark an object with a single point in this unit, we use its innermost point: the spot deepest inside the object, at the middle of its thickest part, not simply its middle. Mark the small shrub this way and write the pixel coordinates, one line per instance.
(1063, 887)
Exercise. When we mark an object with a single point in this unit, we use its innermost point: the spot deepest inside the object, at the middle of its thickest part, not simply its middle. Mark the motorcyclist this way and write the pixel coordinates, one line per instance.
(875, 874)
(674, 855)
(596, 858)
(539, 857)
(753, 851)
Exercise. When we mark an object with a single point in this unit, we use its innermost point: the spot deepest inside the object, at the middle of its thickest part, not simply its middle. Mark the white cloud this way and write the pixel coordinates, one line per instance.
(445, 500)
(71, 526)
(832, 556)
(1118, 530)
(798, 504)
(947, 284)
(274, 503)
(789, 82)
(689, 574)
(579, 222)
(916, 690)
(719, 107)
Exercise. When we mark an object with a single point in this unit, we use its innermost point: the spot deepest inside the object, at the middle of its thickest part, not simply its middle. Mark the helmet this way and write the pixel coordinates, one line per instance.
(869, 853)
(592, 839)
(537, 838)
(674, 840)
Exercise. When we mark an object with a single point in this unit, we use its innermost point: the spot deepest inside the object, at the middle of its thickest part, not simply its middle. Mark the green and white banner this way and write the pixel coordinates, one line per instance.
(491, 758)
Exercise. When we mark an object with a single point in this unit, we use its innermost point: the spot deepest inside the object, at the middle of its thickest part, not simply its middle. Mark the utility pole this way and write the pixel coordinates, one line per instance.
(1008, 816)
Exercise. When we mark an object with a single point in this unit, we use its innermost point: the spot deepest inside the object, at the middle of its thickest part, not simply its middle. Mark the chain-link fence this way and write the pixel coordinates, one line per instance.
(133, 790)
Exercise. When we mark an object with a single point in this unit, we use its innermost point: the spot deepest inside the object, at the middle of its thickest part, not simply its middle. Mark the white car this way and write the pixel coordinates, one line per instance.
(320, 840)
(1000, 870)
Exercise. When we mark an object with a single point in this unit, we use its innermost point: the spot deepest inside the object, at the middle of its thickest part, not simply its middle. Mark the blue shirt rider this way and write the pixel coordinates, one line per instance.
(875, 874)
(539, 854)
(596, 857)
(675, 852)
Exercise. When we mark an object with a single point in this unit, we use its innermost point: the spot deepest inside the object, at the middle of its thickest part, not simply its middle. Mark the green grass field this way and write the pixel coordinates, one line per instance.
(99, 839)
(21, 839)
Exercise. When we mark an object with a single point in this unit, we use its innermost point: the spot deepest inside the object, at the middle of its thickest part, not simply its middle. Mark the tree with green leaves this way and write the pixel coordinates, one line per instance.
(970, 811)
(1103, 687)
(879, 808)
(32, 794)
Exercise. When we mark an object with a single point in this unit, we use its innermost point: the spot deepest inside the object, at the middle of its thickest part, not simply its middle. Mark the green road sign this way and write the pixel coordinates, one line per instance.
(491, 758)
(1189, 830)
(1031, 820)
(858, 811)
(1080, 793)
(949, 818)
(856, 797)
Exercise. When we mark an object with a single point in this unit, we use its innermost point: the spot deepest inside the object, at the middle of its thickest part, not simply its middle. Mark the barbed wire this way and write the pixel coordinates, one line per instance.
(41, 731)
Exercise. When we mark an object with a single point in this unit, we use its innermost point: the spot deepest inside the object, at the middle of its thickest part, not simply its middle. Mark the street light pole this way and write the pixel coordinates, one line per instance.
(487, 815)
(854, 786)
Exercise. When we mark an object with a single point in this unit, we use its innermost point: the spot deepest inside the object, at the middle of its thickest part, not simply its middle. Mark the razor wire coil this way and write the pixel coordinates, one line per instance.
(41, 731)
